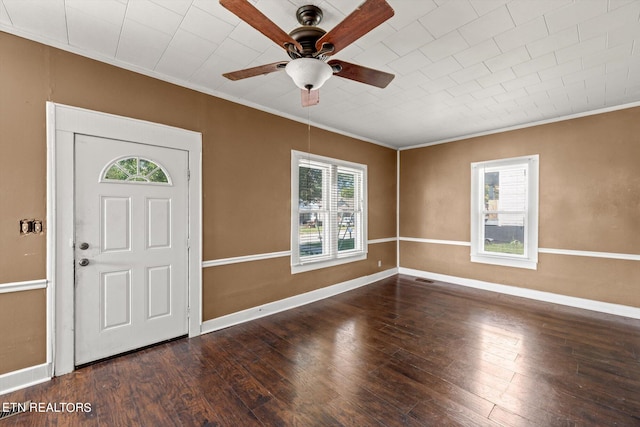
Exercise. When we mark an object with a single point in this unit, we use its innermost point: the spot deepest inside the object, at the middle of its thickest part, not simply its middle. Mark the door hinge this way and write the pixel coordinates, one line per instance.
(188, 175)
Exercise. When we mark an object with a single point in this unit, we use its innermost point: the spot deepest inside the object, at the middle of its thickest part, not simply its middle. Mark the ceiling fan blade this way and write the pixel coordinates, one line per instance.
(255, 71)
(310, 97)
(365, 18)
(252, 16)
(361, 74)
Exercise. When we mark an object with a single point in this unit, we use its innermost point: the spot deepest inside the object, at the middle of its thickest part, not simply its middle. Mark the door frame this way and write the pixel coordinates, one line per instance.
(63, 122)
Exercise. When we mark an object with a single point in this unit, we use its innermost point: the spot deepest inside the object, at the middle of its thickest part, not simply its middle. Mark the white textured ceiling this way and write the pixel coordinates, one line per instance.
(462, 67)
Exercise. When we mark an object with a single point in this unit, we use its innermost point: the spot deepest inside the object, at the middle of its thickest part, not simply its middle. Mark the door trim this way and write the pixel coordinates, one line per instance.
(63, 122)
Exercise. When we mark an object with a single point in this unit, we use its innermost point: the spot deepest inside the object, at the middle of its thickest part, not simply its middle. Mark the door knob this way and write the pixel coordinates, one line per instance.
(84, 262)
(84, 246)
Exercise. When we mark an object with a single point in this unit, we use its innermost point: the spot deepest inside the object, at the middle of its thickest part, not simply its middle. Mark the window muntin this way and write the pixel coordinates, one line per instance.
(135, 169)
(328, 221)
(504, 213)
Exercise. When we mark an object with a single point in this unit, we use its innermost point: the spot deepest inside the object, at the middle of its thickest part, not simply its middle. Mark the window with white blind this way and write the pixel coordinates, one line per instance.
(328, 212)
(504, 212)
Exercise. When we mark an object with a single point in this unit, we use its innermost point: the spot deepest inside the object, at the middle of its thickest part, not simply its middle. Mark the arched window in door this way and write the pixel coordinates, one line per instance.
(135, 169)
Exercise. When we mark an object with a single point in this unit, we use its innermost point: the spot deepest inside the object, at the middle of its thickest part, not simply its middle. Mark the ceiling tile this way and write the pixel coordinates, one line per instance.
(533, 30)
(579, 49)
(213, 7)
(496, 78)
(192, 44)
(545, 85)
(470, 73)
(412, 80)
(487, 26)
(448, 17)
(140, 45)
(465, 88)
(611, 21)
(4, 16)
(39, 17)
(409, 38)
(249, 37)
(574, 13)
(483, 7)
(231, 49)
(442, 68)
(178, 63)
(561, 69)
(110, 11)
(91, 33)
(521, 82)
(592, 59)
(488, 92)
(153, 16)
(535, 65)
(449, 44)
(375, 36)
(406, 12)
(442, 83)
(207, 26)
(178, 6)
(508, 59)
(525, 10)
(478, 53)
(553, 42)
(376, 56)
(406, 64)
(624, 34)
(578, 76)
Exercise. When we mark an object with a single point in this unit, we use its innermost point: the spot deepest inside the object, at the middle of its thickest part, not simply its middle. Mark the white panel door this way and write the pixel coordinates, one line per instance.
(131, 246)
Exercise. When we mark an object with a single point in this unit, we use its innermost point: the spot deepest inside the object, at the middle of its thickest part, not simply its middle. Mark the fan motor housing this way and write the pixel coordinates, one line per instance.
(307, 36)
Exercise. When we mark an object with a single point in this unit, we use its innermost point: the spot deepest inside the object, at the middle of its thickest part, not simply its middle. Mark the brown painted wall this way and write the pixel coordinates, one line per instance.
(246, 182)
(589, 201)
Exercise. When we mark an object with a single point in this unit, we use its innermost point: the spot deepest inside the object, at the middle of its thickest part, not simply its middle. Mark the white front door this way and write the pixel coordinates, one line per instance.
(131, 246)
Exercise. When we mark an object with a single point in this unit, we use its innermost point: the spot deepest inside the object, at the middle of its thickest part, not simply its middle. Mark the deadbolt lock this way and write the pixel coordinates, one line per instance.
(84, 246)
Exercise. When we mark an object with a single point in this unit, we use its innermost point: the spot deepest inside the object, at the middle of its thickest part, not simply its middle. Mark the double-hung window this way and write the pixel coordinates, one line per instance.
(328, 211)
(504, 212)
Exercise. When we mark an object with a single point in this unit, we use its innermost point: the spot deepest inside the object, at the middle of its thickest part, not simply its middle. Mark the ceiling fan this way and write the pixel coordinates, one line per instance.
(310, 47)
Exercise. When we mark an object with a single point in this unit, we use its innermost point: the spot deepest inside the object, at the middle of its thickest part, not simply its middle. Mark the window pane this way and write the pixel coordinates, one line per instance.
(491, 191)
(146, 167)
(349, 231)
(310, 187)
(158, 176)
(311, 234)
(130, 165)
(505, 190)
(134, 169)
(346, 191)
(504, 235)
(346, 231)
(116, 173)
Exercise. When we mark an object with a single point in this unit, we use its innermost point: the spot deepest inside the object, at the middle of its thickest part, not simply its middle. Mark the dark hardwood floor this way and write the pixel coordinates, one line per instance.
(399, 352)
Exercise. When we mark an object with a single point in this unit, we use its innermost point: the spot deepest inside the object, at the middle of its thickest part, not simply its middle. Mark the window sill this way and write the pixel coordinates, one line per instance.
(316, 265)
(505, 261)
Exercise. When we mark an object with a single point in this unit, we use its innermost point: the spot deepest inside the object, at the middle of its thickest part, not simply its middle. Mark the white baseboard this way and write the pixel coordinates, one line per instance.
(27, 377)
(292, 302)
(587, 304)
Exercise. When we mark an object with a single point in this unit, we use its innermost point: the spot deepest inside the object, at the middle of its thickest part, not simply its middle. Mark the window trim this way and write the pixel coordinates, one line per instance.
(530, 258)
(298, 265)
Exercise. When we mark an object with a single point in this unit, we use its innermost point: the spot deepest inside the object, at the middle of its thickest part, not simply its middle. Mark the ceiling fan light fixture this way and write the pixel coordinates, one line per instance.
(309, 73)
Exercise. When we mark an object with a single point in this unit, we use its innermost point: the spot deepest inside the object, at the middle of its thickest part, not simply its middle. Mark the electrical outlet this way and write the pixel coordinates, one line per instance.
(31, 226)
(26, 226)
(379, 263)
